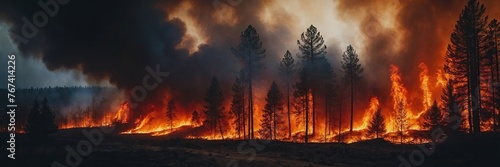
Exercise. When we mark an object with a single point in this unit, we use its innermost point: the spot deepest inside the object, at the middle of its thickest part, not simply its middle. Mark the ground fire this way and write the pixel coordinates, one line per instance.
(230, 80)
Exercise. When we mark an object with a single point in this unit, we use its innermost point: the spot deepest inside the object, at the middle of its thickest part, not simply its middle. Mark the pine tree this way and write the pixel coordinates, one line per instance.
(195, 118)
(493, 38)
(377, 124)
(271, 119)
(170, 113)
(287, 71)
(33, 127)
(251, 54)
(401, 118)
(47, 117)
(237, 109)
(313, 50)
(466, 58)
(40, 121)
(329, 78)
(352, 73)
(214, 108)
(433, 117)
(450, 104)
(302, 102)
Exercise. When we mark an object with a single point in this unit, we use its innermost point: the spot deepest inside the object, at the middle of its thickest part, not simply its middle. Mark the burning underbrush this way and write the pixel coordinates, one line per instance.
(401, 119)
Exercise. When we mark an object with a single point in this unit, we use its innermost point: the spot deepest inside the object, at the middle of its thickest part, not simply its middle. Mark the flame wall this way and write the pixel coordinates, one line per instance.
(191, 40)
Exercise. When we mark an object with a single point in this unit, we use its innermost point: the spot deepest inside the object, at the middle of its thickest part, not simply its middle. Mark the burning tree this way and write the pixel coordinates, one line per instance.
(466, 58)
(329, 78)
(313, 49)
(352, 73)
(493, 37)
(237, 109)
(377, 124)
(270, 117)
(170, 113)
(214, 107)
(287, 71)
(401, 117)
(433, 118)
(301, 94)
(450, 103)
(251, 54)
(195, 118)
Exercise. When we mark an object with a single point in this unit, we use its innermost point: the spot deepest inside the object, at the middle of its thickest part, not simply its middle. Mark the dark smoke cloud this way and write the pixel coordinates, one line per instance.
(420, 34)
(112, 40)
(115, 40)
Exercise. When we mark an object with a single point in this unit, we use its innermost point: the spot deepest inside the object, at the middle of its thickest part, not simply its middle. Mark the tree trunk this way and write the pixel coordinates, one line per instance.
(307, 116)
(340, 115)
(352, 101)
(274, 121)
(220, 129)
(497, 82)
(250, 102)
(243, 113)
(288, 106)
(326, 106)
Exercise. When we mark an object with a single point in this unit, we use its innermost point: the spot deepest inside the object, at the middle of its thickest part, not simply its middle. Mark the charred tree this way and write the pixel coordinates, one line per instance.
(352, 73)
(237, 109)
(433, 118)
(195, 118)
(251, 53)
(171, 113)
(466, 58)
(214, 108)
(377, 124)
(287, 71)
(302, 102)
(401, 117)
(329, 78)
(312, 48)
(493, 39)
(450, 104)
(271, 119)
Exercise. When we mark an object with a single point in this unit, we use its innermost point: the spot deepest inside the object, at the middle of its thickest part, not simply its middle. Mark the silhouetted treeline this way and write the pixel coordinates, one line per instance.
(68, 103)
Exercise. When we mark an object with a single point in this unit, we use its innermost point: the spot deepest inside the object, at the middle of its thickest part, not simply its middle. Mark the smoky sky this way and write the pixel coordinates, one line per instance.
(115, 40)
(420, 34)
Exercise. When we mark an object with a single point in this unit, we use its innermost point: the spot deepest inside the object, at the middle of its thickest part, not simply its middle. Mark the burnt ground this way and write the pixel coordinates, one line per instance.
(138, 150)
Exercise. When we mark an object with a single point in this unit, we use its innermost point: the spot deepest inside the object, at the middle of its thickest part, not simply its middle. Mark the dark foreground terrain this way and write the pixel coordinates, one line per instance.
(70, 148)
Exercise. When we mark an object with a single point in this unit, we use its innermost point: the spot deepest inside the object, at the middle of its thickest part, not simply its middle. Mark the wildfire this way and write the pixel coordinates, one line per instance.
(441, 78)
(374, 105)
(424, 85)
(86, 118)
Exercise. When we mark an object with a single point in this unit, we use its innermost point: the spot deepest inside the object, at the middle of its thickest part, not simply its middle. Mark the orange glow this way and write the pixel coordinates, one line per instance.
(424, 85)
(374, 105)
(84, 118)
(441, 78)
(398, 93)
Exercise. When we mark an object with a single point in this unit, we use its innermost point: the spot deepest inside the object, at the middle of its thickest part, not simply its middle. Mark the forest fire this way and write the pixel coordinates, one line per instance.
(401, 117)
(325, 104)
(85, 118)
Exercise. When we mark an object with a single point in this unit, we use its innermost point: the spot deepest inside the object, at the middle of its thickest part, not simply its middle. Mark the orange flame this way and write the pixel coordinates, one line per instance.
(374, 105)
(84, 118)
(424, 85)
